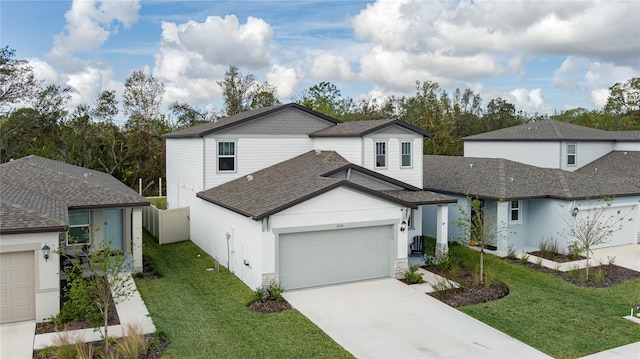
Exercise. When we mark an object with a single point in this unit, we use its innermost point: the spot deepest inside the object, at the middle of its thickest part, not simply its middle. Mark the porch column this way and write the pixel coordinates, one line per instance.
(136, 234)
(442, 228)
(502, 221)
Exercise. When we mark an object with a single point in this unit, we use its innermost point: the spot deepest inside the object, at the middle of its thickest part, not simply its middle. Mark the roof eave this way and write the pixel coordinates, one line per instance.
(25, 230)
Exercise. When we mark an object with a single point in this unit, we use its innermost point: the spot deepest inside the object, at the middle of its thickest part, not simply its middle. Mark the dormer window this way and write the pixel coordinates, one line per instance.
(571, 154)
(226, 156)
(405, 154)
(381, 154)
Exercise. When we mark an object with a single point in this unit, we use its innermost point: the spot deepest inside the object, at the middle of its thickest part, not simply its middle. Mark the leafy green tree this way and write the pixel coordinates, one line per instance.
(18, 83)
(106, 107)
(264, 95)
(326, 98)
(236, 90)
(624, 102)
(141, 101)
(188, 115)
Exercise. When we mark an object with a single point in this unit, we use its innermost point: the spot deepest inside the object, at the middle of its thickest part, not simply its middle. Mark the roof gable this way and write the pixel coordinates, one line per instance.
(552, 130)
(615, 167)
(227, 123)
(294, 181)
(362, 128)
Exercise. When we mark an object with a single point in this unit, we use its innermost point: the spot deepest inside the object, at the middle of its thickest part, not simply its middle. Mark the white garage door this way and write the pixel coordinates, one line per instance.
(327, 257)
(17, 287)
(625, 232)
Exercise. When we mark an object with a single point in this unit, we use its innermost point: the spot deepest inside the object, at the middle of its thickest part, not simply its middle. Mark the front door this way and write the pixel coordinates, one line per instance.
(113, 228)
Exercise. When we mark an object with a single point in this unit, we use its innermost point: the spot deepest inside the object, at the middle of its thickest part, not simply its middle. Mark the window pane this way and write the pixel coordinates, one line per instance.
(514, 204)
(226, 148)
(406, 154)
(514, 215)
(381, 154)
(78, 235)
(78, 217)
(226, 164)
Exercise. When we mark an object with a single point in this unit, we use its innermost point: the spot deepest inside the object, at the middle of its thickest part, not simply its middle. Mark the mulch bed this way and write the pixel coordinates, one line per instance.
(49, 327)
(611, 274)
(468, 293)
(152, 353)
(558, 257)
(270, 306)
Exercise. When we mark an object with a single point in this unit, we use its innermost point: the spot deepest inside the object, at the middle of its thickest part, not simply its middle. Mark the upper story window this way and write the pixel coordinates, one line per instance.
(405, 154)
(571, 154)
(226, 156)
(79, 228)
(515, 209)
(381, 154)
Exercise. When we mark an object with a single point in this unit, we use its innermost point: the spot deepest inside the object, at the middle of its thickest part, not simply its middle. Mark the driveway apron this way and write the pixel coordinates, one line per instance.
(16, 340)
(388, 319)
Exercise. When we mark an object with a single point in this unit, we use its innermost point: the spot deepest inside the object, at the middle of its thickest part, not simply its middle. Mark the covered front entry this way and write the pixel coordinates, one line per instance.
(310, 259)
(17, 287)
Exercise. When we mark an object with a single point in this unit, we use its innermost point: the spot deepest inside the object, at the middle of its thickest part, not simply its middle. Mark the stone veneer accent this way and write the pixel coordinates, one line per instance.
(400, 267)
(267, 279)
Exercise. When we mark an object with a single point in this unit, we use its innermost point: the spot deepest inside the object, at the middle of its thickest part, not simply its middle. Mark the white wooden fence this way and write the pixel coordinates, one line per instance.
(168, 226)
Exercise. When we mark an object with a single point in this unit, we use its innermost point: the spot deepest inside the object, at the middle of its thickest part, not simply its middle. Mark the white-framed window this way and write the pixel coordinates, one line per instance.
(515, 211)
(406, 160)
(571, 154)
(381, 155)
(79, 232)
(226, 156)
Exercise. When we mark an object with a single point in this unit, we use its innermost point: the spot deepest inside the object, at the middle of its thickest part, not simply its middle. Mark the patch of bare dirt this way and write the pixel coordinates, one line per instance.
(270, 306)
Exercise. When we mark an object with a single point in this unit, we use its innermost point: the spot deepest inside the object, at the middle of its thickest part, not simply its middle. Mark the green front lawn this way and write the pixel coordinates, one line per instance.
(205, 314)
(557, 317)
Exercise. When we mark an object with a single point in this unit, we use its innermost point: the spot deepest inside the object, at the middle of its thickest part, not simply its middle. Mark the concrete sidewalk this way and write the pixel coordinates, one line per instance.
(388, 319)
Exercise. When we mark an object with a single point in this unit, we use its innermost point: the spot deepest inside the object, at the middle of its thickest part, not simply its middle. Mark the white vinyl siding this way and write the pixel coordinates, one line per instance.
(348, 147)
(586, 152)
(253, 154)
(547, 154)
(381, 155)
(184, 170)
(406, 157)
(226, 156)
(571, 154)
(413, 175)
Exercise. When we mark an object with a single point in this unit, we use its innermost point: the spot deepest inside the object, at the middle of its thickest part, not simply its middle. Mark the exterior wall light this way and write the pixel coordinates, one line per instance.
(45, 252)
(403, 226)
(574, 211)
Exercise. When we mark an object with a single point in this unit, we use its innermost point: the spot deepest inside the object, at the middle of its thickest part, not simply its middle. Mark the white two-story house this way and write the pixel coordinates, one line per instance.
(285, 193)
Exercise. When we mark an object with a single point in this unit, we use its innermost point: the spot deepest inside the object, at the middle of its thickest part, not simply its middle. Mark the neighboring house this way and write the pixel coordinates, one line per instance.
(550, 144)
(526, 204)
(285, 193)
(60, 206)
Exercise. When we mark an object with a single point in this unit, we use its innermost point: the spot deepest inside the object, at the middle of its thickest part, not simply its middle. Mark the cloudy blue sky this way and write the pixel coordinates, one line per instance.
(542, 56)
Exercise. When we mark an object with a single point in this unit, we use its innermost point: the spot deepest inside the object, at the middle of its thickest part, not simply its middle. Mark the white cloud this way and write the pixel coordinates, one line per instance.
(225, 41)
(43, 71)
(528, 100)
(599, 97)
(88, 83)
(90, 23)
(327, 66)
(285, 79)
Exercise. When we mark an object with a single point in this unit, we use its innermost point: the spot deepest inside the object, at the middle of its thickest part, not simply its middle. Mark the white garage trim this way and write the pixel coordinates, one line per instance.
(17, 287)
(308, 259)
(625, 231)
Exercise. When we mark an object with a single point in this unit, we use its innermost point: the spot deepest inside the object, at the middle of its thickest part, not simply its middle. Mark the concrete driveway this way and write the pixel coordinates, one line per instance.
(627, 256)
(16, 340)
(388, 319)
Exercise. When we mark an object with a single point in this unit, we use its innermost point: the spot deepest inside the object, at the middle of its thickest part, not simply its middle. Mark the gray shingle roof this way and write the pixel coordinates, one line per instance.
(615, 167)
(497, 178)
(226, 122)
(552, 130)
(36, 193)
(294, 181)
(361, 128)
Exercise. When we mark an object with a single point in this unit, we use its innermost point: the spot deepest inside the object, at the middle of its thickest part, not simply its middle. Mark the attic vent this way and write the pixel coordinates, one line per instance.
(626, 153)
(595, 169)
(87, 174)
(528, 128)
(249, 177)
(470, 165)
(511, 179)
(318, 152)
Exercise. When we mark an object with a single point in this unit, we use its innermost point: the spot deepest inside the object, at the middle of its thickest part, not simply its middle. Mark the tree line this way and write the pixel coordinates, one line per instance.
(123, 139)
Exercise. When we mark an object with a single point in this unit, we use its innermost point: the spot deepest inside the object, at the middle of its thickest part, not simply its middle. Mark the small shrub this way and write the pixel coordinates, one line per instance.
(548, 248)
(133, 345)
(442, 286)
(455, 271)
(574, 272)
(429, 260)
(539, 263)
(444, 264)
(511, 253)
(611, 261)
(598, 276)
(575, 252)
(274, 291)
(524, 259)
(412, 276)
(139, 275)
(64, 347)
(260, 295)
